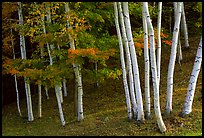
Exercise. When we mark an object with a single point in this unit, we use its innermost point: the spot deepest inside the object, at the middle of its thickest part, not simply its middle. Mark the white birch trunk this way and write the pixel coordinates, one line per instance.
(48, 47)
(159, 42)
(180, 57)
(59, 104)
(147, 65)
(63, 82)
(172, 61)
(64, 86)
(57, 89)
(60, 93)
(23, 56)
(160, 122)
(77, 71)
(187, 109)
(134, 63)
(184, 24)
(125, 83)
(46, 92)
(129, 62)
(39, 101)
(28, 98)
(179, 41)
(15, 78)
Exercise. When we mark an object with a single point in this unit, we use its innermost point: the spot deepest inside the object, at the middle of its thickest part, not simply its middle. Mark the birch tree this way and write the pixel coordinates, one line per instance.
(172, 61)
(147, 65)
(179, 41)
(159, 42)
(15, 78)
(128, 60)
(122, 62)
(57, 89)
(184, 24)
(23, 56)
(46, 92)
(187, 109)
(160, 122)
(140, 116)
(77, 72)
(64, 86)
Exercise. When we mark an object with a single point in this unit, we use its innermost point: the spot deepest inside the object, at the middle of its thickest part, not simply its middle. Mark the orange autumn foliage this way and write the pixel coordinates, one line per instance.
(91, 53)
(140, 41)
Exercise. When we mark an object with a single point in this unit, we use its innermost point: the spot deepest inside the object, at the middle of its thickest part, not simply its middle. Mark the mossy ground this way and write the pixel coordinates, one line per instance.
(105, 108)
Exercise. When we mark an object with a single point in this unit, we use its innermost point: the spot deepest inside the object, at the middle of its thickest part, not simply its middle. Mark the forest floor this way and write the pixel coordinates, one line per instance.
(105, 107)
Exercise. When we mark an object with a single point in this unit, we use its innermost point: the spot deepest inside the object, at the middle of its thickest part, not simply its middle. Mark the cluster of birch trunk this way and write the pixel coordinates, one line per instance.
(130, 66)
(58, 88)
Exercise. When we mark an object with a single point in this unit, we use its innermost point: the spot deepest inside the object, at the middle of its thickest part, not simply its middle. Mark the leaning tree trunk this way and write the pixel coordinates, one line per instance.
(129, 62)
(23, 56)
(59, 104)
(159, 42)
(184, 24)
(134, 63)
(160, 122)
(147, 70)
(187, 109)
(16, 84)
(77, 71)
(172, 61)
(57, 89)
(125, 83)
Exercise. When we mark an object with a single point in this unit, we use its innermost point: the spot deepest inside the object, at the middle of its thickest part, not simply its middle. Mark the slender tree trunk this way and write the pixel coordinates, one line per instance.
(77, 71)
(159, 42)
(96, 69)
(15, 78)
(129, 62)
(125, 83)
(63, 82)
(170, 22)
(180, 57)
(23, 56)
(184, 24)
(187, 109)
(57, 89)
(60, 93)
(39, 101)
(46, 92)
(172, 61)
(134, 63)
(160, 122)
(59, 104)
(179, 40)
(48, 47)
(64, 86)
(147, 65)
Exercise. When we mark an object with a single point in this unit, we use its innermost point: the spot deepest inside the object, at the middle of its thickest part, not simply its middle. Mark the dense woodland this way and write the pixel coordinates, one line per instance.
(48, 46)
